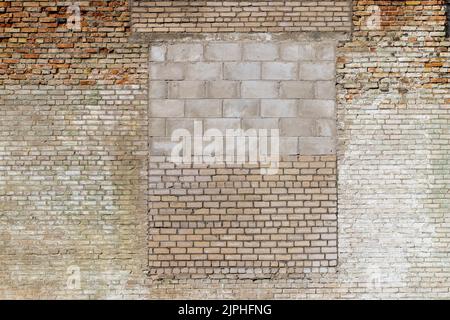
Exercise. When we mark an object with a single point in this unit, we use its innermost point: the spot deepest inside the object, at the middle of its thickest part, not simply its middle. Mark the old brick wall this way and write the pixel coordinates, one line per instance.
(73, 153)
(394, 112)
(75, 144)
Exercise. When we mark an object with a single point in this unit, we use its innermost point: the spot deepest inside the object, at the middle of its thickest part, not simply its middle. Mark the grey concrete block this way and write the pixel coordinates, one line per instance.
(260, 51)
(161, 146)
(158, 53)
(289, 146)
(157, 127)
(223, 89)
(175, 124)
(326, 51)
(317, 109)
(187, 90)
(317, 70)
(166, 108)
(185, 52)
(297, 89)
(166, 71)
(307, 51)
(223, 52)
(259, 89)
(222, 124)
(204, 71)
(279, 71)
(279, 108)
(326, 127)
(158, 89)
(317, 146)
(289, 51)
(295, 127)
(204, 108)
(326, 90)
(242, 71)
(267, 123)
(241, 108)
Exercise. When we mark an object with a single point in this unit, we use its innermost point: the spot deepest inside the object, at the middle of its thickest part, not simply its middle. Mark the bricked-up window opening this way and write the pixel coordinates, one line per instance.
(447, 24)
(224, 219)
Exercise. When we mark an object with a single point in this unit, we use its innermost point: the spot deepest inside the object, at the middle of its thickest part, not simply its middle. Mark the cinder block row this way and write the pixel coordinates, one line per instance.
(222, 124)
(217, 51)
(243, 108)
(308, 71)
(249, 89)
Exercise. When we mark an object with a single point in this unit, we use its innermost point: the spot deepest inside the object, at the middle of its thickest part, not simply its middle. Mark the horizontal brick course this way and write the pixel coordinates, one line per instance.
(240, 16)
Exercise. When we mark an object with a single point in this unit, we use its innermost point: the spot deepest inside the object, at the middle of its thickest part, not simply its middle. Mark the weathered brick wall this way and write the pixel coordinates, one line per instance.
(74, 152)
(394, 113)
(240, 16)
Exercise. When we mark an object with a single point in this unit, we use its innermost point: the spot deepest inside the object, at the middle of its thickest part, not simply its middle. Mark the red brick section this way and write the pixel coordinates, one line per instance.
(240, 16)
(414, 33)
(412, 16)
(37, 46)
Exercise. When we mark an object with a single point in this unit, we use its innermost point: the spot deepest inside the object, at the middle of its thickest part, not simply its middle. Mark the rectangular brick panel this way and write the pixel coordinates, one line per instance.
(225, 221)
